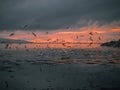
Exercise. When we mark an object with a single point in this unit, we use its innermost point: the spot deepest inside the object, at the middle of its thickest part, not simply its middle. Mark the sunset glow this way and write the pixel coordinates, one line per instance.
(116, 30)
(82, 36)
(67, 38)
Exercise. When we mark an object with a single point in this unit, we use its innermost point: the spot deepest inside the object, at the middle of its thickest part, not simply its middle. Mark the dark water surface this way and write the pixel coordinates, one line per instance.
(59, 67)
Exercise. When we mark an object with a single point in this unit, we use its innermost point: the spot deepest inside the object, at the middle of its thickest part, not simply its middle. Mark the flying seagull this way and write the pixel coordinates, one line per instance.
(99, 38)
(11, 34)
(77, 37)
(91, 33)
(7, 45)
(67, 27)
(47, 33)
(90, 38)
(90, 43)
(25, 26)
(34, 34)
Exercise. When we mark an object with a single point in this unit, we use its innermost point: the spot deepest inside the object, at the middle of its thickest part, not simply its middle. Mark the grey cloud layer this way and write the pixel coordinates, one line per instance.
(55, 14)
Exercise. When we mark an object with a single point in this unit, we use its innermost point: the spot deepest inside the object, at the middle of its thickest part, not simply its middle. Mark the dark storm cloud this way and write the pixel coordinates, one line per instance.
(55, 14)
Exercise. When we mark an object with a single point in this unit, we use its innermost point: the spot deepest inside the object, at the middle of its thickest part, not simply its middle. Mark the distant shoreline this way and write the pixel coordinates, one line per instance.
(48, 43)
(112, 44)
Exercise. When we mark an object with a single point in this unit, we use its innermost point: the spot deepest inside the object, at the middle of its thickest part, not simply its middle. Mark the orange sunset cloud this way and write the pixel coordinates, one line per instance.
(92, 33)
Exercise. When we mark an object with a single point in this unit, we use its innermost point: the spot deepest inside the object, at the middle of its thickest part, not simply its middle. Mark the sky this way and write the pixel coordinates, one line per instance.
(60, 15)
(55, 14)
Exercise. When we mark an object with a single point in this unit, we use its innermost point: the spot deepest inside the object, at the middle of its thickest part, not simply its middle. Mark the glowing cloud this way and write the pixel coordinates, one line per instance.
(89, 33)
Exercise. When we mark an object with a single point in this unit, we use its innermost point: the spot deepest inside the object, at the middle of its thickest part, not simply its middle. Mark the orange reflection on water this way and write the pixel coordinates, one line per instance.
(49, 46)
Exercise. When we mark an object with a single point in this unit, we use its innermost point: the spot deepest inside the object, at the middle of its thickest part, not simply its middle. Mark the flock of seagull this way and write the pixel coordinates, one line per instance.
(57, 40)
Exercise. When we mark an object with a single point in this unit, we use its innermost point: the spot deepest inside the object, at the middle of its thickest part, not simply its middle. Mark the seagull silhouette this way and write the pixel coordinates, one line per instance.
(99, 38)
(77, 37)
(7, 45)
(47, 33)
(25, 26)
(11, 34)
(34, 34)
(91, 33)
(90, 38)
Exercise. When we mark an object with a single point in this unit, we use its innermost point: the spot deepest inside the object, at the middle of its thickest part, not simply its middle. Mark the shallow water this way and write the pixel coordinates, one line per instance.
(39, 52)
(51, 67)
